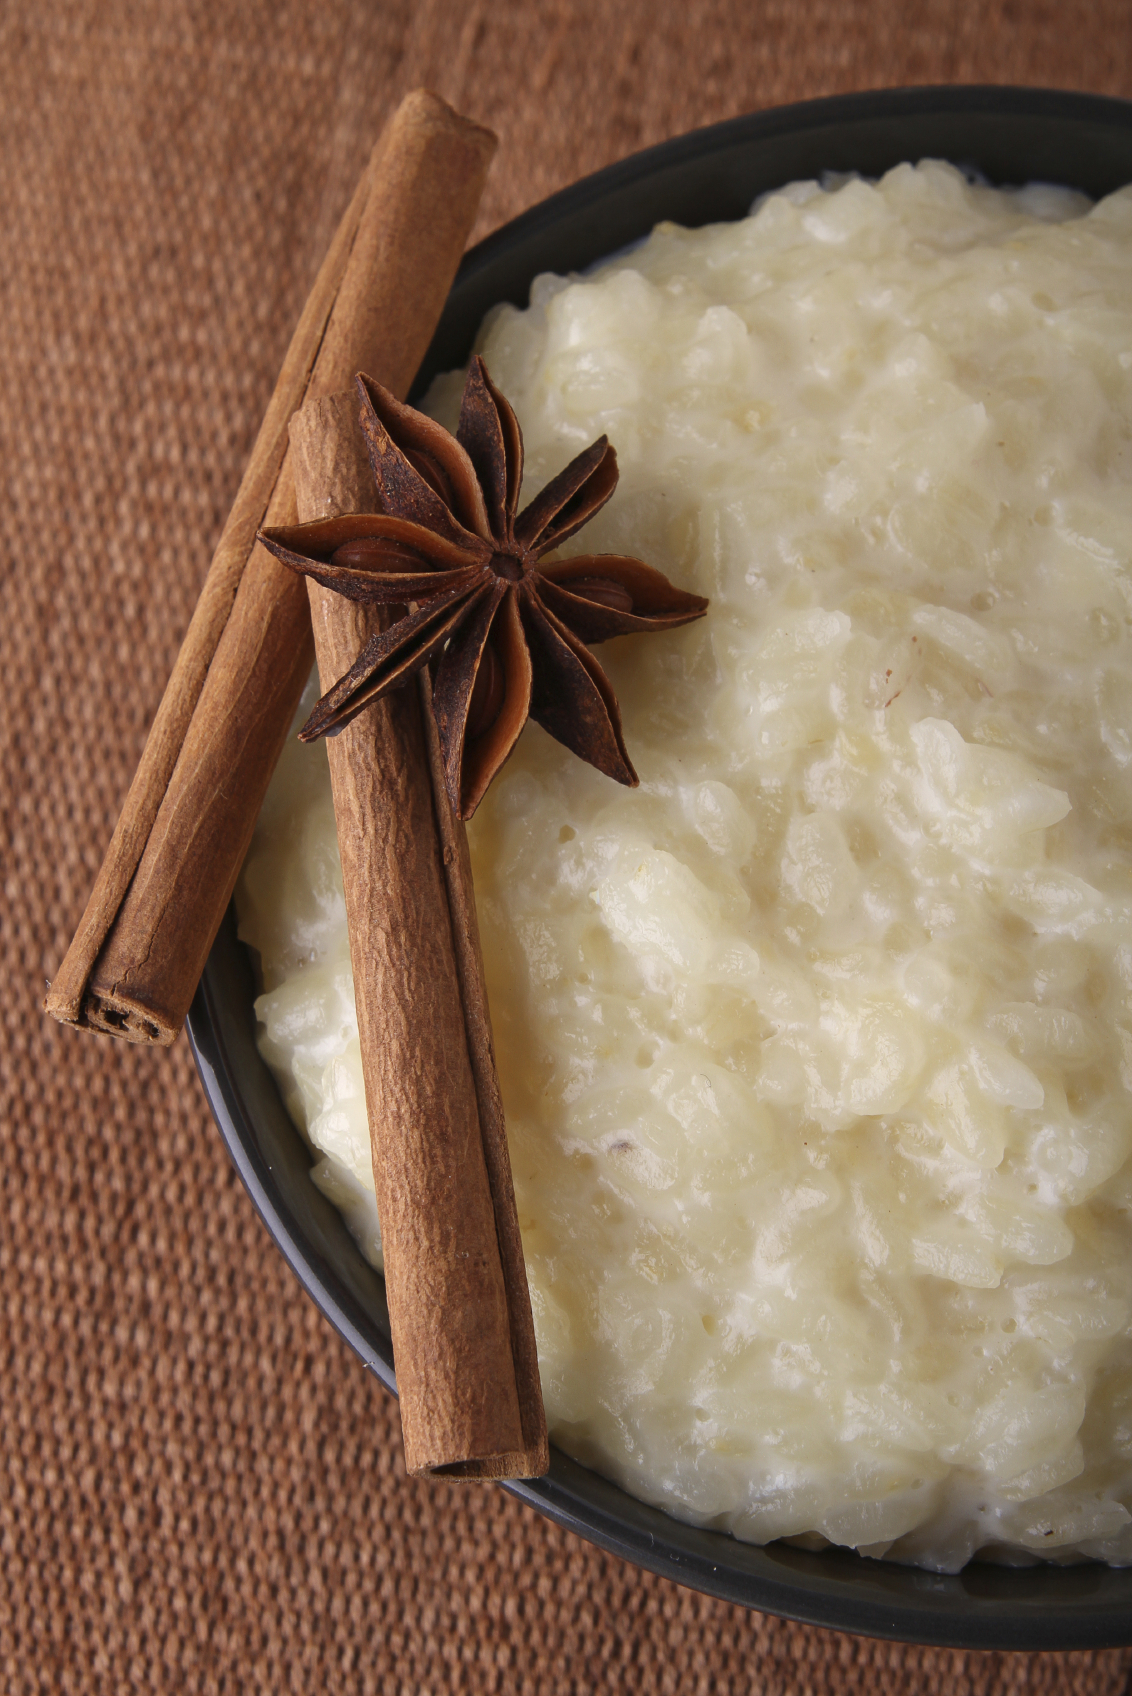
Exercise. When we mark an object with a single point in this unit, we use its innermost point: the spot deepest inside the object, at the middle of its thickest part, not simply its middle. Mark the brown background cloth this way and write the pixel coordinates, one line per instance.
(201, 1489)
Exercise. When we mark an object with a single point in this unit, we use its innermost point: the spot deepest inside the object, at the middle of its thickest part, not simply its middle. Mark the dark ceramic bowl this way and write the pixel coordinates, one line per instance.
(1010, 136)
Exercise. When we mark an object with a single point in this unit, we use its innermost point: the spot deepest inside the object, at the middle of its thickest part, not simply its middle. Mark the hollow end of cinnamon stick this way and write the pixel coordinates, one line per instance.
(118, 1015)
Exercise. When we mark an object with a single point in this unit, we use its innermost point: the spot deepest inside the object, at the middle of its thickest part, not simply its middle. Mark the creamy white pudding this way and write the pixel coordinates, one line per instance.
(816, 1049)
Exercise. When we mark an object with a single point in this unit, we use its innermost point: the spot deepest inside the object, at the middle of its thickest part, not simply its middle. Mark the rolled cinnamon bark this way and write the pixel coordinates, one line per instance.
(137, 956)
(459, 1307)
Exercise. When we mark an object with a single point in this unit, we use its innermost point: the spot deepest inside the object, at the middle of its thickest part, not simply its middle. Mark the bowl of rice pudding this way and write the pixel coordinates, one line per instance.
(816, 1049)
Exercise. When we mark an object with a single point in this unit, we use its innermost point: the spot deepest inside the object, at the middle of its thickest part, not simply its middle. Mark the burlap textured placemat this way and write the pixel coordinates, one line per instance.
(201, 1490)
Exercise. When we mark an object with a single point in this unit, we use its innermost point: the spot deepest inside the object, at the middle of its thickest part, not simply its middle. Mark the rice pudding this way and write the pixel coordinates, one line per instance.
(816, 1049)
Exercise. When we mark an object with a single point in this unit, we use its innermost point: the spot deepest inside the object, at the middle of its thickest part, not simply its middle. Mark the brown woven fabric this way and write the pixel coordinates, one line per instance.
(201, 1490)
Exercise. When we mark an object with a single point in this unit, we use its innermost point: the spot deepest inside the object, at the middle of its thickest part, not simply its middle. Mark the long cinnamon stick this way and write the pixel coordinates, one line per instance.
(136, 958)
(459, 1307)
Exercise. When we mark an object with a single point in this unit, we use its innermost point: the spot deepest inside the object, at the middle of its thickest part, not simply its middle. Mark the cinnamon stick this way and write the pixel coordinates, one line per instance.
(133, 966)
(459, 1307)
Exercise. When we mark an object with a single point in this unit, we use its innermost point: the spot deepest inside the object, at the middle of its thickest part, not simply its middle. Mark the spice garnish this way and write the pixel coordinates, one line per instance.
(507, 630)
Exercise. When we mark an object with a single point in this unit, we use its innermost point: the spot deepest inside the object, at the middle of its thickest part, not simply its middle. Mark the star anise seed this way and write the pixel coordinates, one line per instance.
(505, 629)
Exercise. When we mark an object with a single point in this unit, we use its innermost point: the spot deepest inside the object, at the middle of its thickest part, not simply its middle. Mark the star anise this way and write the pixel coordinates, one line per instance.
(506, 627)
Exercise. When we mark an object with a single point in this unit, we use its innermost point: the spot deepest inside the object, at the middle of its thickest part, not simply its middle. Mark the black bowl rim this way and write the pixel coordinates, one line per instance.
(983, 1607)
(975, 104)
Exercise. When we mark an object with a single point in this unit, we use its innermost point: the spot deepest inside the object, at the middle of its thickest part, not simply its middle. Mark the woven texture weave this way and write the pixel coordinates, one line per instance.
(201, 1490)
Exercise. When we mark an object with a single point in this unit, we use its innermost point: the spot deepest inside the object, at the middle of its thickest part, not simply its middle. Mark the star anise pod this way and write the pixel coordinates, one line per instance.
(507, 628)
